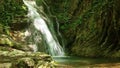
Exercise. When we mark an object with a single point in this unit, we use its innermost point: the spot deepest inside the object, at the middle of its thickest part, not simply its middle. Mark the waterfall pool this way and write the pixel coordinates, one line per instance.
(86, 62)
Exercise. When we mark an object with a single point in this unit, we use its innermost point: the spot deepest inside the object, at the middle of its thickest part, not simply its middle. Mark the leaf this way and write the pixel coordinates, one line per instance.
(23, 7)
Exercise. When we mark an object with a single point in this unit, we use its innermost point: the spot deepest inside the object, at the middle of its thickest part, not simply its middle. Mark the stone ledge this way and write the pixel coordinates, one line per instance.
(13, 58)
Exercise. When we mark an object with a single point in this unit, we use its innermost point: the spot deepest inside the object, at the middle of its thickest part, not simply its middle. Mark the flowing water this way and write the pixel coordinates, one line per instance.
(87, 62)
(39, 21)
(42, 36)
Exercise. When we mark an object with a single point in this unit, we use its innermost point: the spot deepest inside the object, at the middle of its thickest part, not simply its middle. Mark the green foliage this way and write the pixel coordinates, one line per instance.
(60, 10)
(9, 10)
(80, 14)
(63, 19)
(39, 2)
(88, 12)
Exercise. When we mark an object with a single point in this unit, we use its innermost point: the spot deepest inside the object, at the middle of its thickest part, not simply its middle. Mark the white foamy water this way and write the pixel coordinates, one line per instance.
(39, 23)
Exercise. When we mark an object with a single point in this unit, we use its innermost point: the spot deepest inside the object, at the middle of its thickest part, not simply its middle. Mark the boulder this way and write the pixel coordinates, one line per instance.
(13, 58)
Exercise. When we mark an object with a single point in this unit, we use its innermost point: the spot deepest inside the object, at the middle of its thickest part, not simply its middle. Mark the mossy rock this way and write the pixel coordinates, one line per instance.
(19, 59)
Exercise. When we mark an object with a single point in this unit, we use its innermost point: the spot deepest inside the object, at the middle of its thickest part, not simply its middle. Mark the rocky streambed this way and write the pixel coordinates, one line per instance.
(13, 58)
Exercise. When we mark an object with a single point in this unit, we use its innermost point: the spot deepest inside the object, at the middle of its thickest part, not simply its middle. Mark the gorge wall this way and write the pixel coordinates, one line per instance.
(90, 27)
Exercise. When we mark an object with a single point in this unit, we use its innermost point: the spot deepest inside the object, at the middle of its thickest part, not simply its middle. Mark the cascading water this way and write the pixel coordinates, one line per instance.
(39, 22)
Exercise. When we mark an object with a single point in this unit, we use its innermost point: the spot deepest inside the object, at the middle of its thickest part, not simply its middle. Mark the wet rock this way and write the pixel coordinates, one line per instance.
(13, 58)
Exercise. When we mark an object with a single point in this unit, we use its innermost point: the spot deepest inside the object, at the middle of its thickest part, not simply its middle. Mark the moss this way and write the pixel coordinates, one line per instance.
(21, 59)
(10, 11)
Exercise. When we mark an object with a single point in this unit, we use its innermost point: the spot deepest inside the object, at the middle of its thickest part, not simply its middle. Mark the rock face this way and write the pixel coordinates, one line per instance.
(12, 58)
(91, 28)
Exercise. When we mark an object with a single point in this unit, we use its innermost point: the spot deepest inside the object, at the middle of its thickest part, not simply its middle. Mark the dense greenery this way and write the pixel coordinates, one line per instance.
(11, 12)
(12, 19)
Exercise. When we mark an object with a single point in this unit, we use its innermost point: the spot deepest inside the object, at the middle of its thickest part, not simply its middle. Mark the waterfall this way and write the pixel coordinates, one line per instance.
(40, 24)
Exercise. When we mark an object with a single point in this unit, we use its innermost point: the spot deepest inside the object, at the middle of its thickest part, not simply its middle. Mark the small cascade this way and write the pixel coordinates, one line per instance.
(40, 24)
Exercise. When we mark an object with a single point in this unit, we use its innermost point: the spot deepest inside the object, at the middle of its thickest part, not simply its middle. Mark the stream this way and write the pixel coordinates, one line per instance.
(43, 25)
(81, 62)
